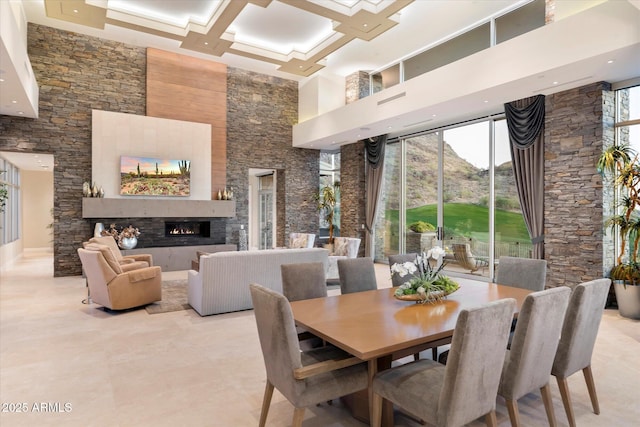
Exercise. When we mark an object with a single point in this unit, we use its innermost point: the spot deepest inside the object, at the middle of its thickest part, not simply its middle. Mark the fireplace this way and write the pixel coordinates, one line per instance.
(187, 228)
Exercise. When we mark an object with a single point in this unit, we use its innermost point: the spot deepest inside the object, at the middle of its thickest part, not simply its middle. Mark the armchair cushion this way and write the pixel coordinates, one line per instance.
(108, 255)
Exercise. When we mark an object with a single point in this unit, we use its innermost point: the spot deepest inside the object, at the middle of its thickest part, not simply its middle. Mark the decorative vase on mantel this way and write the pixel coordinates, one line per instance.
(128, 242)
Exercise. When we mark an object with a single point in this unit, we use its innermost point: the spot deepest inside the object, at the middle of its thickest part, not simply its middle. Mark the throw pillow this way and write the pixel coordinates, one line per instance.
(298, 241)
(340, 246)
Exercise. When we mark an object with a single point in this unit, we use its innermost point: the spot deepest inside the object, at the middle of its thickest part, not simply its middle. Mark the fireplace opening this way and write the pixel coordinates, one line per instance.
(187, 228)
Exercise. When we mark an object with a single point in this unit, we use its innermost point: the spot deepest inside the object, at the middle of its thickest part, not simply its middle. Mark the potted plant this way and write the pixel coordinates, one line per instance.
(619, 164)
(420, 236)
(327, 198)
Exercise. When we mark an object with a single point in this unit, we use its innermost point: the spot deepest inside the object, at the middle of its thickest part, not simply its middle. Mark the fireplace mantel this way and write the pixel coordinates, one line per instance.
(159, 208)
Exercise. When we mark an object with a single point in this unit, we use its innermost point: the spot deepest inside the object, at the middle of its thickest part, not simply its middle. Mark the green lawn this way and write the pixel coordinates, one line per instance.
(468, 220)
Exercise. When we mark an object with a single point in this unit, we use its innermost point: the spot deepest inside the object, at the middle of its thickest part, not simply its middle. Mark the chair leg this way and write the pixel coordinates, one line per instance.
(491, 420)
(266, 402)
(514, 415)
(591, 386)
(376, 411)
(416, 356)
(298, 416)
(434, 353)
(548, 404)
(566, 400)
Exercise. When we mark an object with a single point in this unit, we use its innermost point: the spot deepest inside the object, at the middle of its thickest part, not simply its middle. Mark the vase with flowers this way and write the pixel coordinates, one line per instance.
(428, 284)
(127, 237)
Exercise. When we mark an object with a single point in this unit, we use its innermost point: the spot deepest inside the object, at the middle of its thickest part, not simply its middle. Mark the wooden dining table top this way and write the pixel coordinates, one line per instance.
(373, 324)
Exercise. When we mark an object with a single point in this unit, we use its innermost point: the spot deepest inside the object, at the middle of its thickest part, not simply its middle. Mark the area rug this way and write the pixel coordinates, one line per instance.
(174, 298)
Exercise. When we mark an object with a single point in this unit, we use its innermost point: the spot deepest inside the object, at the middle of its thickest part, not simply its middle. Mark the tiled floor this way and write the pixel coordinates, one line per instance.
(180, 369)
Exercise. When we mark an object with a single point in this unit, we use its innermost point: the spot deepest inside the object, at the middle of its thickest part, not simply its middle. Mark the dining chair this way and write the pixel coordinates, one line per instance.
(578, 337)
(304, 378)
(527, 365)
(357, 275)
(303, 280)
(525, 273)
(396, 280)
(464, 389)
(300, 281)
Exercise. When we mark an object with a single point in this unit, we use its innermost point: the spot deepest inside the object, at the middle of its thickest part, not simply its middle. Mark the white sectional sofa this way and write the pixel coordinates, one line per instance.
(222, 284)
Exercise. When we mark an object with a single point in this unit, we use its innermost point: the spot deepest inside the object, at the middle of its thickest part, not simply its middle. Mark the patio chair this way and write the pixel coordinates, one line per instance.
(464, 257)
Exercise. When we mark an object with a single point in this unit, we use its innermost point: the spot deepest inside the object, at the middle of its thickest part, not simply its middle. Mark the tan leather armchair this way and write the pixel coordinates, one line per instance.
(114, 288)
(128, 262)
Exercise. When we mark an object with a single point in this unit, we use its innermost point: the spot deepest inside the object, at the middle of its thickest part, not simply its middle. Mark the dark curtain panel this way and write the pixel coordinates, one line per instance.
(374, 149)
(525, 120)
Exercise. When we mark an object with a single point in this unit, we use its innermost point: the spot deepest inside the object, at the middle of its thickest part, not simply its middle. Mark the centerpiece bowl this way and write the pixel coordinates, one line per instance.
(425, 282)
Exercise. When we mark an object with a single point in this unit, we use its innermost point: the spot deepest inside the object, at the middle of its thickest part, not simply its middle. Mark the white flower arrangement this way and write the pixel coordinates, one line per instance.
(427, 284)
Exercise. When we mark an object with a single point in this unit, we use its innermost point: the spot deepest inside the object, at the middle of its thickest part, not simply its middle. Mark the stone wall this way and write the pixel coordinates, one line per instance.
(352, 192)
(261, 112)
(76, 73)
(579, 122)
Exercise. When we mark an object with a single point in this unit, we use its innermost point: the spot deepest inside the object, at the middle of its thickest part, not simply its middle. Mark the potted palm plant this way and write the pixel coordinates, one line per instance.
(619, 165)
(327, 199)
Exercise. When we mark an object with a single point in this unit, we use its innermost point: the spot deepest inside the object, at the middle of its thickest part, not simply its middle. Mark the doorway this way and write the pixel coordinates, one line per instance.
(262, 208)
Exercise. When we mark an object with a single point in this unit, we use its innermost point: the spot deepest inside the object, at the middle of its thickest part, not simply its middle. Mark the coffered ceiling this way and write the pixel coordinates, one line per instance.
(290, 38)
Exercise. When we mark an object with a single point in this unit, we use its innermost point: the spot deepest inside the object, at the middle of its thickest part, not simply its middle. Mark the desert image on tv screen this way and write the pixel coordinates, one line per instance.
(145, 176)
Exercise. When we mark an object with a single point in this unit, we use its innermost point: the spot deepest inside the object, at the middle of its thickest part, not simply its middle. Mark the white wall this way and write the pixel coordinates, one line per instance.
(37, 202)
(119, 134)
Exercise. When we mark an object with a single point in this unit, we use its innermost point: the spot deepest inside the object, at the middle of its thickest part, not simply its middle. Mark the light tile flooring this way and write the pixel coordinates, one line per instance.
(180, 369)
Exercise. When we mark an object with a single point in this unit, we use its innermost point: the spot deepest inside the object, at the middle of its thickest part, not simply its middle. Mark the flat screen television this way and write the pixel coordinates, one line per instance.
(146, 176)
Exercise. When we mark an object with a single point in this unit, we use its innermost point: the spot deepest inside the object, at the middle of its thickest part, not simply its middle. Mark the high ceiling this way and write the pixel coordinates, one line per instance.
(288, 38)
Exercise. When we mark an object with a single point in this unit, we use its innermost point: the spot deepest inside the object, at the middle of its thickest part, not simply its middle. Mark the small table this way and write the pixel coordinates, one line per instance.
(373, 325)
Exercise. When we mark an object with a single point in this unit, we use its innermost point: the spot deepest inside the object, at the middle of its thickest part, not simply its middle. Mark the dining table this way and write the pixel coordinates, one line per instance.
(378, 328)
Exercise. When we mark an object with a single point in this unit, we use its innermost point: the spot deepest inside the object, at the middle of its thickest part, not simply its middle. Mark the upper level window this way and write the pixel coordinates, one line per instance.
(493, 31)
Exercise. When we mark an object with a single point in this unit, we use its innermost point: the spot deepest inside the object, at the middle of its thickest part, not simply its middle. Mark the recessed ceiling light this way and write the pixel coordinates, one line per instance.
(75, 10)
(14, 101)
(611, 61)
(389, 127)
(486, 102)
(1, 80)
(20, 112)
(555, 83)
(206, 43)
(433, 115)
(300, 66)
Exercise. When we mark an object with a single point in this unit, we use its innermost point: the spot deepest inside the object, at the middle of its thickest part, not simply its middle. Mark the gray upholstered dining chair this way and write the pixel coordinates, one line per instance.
(464, 389)
(396, 280)
(528, 363)
(525, 273)
(303, 281)
(304, 378)
(357, 275)
(300, 281)
(578, 337)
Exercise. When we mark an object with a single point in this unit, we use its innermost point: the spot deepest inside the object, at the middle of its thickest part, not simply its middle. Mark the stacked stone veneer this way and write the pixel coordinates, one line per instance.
(352, 192)
(261, 112)
(77, 73)
(579, 123)
(352, 179)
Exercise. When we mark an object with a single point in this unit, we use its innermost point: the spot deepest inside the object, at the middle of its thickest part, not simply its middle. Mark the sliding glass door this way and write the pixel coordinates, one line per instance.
(454, 188)
(465, 198)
